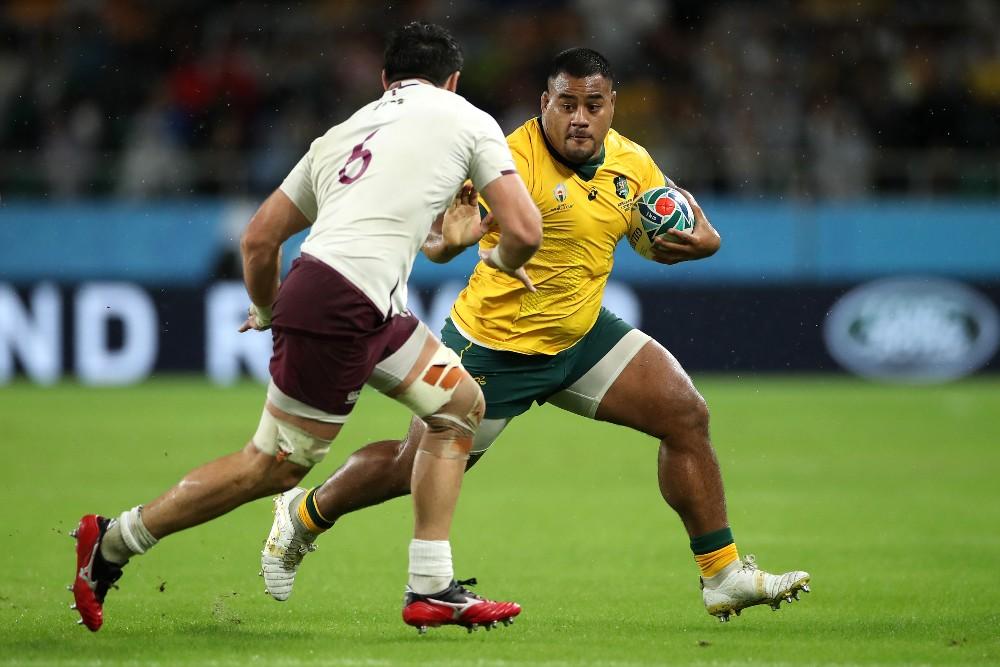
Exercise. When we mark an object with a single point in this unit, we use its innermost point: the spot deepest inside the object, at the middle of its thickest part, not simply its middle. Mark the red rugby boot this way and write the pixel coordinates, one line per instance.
(456, 605)
(94, 575)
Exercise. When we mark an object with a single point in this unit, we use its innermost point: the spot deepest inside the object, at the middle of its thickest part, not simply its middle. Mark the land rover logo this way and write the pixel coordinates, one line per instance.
(912, 330)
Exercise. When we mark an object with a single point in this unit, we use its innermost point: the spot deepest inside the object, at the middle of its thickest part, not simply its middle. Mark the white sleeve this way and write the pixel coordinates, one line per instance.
(298, 185)
(491, 156)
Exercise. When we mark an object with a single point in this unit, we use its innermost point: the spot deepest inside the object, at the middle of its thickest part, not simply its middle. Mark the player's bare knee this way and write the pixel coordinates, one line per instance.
(262, 474)
(696, 414)
(686, 423)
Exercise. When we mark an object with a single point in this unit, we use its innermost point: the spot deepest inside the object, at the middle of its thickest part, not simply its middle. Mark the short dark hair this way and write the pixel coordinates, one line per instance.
(580, 62)
(422, 50)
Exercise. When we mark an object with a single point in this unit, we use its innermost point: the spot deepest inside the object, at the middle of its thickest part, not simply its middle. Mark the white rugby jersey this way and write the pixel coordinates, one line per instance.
(373, 185)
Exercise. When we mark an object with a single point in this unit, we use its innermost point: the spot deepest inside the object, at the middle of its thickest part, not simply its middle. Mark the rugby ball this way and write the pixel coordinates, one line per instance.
(655, 211)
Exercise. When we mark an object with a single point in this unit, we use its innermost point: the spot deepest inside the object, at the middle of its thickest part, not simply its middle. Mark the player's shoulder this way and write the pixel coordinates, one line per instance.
(620, 146)
(462, 108)
(525, 137)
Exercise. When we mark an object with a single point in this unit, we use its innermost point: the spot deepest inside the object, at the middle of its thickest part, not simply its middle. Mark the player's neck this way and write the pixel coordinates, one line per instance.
(586, 169)
(407, 82)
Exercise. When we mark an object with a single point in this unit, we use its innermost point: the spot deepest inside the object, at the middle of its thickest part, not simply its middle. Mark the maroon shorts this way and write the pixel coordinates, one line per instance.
(328, 337)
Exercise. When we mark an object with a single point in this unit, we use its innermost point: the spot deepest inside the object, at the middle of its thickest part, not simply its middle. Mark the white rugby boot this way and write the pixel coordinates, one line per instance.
(285, 548)
(745, 586)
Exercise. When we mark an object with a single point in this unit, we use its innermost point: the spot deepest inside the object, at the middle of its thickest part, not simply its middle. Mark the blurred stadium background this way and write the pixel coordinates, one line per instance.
(831, 143)
(849, 154)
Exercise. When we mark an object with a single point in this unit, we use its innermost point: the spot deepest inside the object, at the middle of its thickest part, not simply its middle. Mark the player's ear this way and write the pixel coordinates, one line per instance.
(614, 96)
(385, 81)
(545, 100)
(451, 83)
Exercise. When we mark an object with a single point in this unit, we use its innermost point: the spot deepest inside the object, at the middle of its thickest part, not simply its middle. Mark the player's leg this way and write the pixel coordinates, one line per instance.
(622, 372)
(260, 469)
(285, 546)
(426, 376)
(690, 479)
(382, 470)
(618, 386)
(441, 392)
(688, 470)
(318, 380)
(294, 433)
(375, 473)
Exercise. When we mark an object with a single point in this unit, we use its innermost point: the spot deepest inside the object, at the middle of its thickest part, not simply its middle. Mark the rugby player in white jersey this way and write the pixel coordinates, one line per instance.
(370, 189)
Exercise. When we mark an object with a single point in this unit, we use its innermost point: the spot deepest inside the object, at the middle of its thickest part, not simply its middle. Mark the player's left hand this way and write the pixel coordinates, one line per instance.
(258, 319)
(677, 246)
(461, 225)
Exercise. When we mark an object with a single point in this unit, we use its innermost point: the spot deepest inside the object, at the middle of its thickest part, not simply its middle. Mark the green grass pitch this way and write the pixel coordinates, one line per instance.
(889, 496)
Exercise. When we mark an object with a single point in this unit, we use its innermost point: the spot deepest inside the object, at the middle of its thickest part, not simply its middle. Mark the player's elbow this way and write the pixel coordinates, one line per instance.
(435, 255)
(716, 242)
(256, 242)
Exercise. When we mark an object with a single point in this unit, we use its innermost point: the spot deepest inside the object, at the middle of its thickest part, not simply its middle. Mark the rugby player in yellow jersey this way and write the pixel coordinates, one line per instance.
(554, 343)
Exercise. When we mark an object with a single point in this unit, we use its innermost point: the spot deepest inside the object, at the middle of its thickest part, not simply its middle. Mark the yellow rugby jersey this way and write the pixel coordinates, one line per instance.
(585, 212)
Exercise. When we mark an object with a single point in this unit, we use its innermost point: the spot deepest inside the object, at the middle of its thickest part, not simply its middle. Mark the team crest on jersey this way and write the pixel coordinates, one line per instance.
(560, 192)
(621, 187)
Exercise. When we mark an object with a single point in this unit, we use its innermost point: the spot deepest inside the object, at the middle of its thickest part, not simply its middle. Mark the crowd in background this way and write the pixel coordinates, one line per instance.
(810, 98)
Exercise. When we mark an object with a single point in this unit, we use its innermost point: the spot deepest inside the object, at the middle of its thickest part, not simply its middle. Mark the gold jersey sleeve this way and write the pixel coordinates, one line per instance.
(585, 212)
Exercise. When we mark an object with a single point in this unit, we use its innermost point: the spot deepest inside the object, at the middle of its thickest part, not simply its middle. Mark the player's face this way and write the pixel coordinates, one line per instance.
(577, 113)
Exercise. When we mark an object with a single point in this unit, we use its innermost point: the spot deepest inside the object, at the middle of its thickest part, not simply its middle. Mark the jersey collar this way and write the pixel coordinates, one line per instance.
(405, 83)
(587, 170)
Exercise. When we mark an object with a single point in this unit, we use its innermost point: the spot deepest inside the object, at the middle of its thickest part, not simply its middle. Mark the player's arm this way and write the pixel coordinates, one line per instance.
(277, 220)
(457, 228)
(520, 225)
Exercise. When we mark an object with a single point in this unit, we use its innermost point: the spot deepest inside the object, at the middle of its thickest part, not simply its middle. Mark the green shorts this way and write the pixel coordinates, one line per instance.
(575, 379)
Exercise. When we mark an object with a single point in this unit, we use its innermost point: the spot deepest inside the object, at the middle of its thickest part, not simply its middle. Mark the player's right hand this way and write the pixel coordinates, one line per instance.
(518, 273)
(676, 246)
(258, 319)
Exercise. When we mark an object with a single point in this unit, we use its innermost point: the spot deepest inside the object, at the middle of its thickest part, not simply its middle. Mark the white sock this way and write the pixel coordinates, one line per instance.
(723, 574)
(126, 537)
(430, 566)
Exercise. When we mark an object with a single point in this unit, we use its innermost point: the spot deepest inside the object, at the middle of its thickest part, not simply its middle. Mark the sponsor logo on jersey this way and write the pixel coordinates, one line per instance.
(560, 193)
(912, 330)
(628, 203)
(592, 195)
(621, 187)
